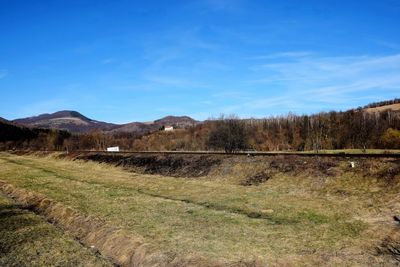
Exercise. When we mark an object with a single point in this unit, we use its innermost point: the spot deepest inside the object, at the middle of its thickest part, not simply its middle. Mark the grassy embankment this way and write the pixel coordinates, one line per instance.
(287, 220)
(26, 239)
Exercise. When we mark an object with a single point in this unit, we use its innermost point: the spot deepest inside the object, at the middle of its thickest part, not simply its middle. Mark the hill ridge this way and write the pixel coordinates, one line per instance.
(75, 121)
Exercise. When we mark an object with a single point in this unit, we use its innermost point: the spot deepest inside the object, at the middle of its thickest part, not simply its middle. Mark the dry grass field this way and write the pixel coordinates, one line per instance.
(393, 107)
(26, 239)
(335, 218)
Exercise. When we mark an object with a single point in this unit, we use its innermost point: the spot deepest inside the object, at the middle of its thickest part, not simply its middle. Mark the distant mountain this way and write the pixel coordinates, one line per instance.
(69, 120)
(176, 121)
(74, 121)
(136, 127)
(142, 127)
(4, 120)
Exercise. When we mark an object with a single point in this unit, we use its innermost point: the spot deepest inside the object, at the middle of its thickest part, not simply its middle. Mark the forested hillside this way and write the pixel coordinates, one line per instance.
(17, 137)
(358, 128)
(332, 130)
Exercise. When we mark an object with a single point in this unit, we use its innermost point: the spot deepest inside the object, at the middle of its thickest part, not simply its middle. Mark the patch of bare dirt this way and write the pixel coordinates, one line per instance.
(297, 165)
(201, 165)
(386, 171)
(256, 179)
(390, 174)
(169, 165)
(391, 245)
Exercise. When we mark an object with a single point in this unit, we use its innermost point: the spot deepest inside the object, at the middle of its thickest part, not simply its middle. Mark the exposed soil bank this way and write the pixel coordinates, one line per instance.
(251, 171)
(258, 168)
(391, 244)
(169, 165)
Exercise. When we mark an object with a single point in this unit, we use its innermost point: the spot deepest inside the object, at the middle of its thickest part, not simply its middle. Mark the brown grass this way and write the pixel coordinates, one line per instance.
(93, 232)
(391, 244)
(298, 217)
(382, 108)
(118, 245)
(28, 240)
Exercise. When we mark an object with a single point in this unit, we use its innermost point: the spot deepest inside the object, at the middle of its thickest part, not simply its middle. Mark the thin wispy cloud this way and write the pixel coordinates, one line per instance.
(172, 80)
(213, 65)
(388, 44)
(290, 54)
(44, 106)
(3, 73)
(107, 61)
(174, 62)
(174, 45)
(192, 38)
(206, 56)
(331, 71)
(159, 58)
(323, 82)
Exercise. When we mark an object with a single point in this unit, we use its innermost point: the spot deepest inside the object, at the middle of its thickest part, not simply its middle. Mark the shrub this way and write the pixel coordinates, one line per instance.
(229, 134)
(391, 138)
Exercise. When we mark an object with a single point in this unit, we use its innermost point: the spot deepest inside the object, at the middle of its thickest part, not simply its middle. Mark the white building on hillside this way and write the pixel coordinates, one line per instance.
(168, 128)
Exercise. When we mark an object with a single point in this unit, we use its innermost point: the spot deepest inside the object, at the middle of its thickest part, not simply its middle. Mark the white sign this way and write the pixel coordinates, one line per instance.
(113, 149)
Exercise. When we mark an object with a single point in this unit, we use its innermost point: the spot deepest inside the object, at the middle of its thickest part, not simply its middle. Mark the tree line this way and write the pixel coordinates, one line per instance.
(17, 137)
(353, 129)
(383, 103)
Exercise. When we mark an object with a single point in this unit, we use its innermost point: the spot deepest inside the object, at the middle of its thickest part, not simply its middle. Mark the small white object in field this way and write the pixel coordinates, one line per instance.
(113, 149)
(268, 211)
(168, 128)
(352, 164)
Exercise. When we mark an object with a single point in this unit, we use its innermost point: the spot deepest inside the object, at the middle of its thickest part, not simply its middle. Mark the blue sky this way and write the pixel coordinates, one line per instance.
(122, 61)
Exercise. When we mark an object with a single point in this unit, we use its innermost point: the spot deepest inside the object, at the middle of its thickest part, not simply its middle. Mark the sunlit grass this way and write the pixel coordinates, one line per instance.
(287, 217)
(26, 239)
